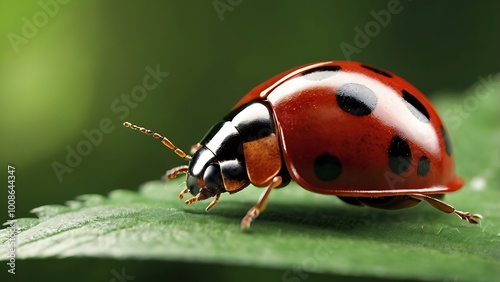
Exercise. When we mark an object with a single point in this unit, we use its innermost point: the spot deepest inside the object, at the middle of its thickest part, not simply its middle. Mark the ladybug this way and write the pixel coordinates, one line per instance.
(342, 128)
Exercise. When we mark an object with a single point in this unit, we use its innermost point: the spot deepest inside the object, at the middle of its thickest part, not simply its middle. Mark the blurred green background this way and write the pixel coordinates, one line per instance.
(65, 67)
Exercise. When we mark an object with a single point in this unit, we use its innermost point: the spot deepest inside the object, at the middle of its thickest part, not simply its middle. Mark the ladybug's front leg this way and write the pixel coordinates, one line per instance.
(202, 195)
(172, 174)
(261, 203)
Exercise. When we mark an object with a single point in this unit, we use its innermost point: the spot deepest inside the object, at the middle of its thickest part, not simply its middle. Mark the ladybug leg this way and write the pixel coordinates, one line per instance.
(213, 203)
(193, 199)
(172, 173)
(446, 208)
(195, 148)
(181, 194)
(203, 195)
(261, 203)
(197, 198)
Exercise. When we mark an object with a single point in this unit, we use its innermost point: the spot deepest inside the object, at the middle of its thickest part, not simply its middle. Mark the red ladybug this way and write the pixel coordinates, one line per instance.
(341, 128)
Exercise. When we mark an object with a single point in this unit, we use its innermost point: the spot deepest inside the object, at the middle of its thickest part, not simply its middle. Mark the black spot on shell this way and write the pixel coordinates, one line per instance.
(415, 107)
(424, 166)
(447, 141)
(356, 99)
(320, 73)
(323, 68)
(375, 70)
(327, 167)
(399, 155)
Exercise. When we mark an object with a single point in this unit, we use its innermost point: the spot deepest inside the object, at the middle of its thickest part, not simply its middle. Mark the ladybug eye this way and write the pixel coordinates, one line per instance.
(192, 185)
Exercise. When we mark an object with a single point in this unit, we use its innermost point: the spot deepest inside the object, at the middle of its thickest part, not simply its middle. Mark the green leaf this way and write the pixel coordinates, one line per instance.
(300, 232)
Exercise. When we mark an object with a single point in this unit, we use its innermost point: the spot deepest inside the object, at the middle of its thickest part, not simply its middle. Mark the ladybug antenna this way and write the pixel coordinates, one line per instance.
(164, 140)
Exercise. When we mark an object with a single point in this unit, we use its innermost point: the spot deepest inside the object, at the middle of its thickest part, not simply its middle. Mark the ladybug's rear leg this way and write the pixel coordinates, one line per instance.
(261, 203)
(446, 208)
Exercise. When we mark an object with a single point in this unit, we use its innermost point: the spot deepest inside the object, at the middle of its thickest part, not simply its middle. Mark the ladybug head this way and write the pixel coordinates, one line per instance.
(203, 174)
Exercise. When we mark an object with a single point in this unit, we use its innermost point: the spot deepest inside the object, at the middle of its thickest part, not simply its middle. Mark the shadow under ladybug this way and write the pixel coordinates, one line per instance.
(331, 216)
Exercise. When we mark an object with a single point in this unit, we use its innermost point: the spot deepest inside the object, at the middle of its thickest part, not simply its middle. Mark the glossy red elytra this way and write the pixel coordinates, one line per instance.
(341, 128)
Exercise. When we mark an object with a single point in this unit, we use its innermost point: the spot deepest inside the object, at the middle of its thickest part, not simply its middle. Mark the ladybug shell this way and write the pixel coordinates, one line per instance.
(350, 129)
